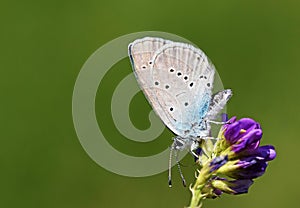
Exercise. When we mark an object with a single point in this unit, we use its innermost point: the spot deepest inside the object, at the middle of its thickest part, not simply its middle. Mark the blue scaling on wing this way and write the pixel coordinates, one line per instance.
(204, 105)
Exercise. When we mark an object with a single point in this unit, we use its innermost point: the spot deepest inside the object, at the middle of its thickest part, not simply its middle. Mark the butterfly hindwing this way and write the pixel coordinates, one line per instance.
(184, 75)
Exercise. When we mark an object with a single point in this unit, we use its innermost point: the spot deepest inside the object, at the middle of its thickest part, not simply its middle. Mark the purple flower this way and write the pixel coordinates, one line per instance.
(242, 134)
(263, 153)
(240, 186)
(245, 169)
(247, 160)
(253, 163)
(231, 163)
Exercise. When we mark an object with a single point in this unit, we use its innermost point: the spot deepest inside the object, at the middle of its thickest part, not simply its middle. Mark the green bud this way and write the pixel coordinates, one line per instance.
(230, 166)
(221, 145)
(206, 146)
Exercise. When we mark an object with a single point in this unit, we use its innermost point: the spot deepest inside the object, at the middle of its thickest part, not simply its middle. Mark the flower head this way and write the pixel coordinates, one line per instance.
(233, 161)
(247, 160)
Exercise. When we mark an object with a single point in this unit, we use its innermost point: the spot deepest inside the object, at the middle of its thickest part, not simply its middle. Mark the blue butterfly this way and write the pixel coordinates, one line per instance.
(177, 80)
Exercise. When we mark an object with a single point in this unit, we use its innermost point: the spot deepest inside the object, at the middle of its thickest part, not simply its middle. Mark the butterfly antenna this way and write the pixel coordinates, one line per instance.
(170, 166)
(179, 169)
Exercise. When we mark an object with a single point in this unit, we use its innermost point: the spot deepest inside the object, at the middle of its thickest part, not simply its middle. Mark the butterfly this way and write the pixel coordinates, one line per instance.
(177, 80)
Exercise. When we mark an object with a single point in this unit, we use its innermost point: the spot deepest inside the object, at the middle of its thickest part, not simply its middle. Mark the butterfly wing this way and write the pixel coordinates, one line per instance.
(177, 79)
(183, 78)
(141, 52)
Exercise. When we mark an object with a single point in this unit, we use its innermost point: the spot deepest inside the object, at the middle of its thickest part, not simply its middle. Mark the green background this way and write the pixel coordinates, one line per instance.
(254, 45)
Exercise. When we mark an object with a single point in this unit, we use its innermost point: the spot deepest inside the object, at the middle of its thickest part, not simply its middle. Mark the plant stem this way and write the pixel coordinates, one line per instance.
(197, 196)
(196, 201)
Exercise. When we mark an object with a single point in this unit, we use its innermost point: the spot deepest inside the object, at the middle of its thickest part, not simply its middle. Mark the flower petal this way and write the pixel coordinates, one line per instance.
(249, 141)
(232, 186)
(248, 124)
(232, 132)
(250, 170)
(265, 153)
(240, 186)
(218, 162)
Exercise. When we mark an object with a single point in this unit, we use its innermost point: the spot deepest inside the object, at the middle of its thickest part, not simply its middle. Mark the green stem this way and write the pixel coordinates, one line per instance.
(197, 195)
(196, 201)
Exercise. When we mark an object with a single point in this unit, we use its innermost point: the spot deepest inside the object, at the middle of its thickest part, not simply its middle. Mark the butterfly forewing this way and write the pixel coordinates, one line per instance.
(141, 53)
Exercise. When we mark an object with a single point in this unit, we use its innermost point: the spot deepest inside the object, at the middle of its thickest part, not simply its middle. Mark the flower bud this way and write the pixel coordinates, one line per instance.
(232, 186)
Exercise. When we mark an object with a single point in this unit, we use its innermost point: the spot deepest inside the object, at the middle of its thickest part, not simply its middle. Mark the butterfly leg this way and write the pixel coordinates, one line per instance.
(179, 168)
(194, 154)
(179, 144)
(170, 165)
(216, 122)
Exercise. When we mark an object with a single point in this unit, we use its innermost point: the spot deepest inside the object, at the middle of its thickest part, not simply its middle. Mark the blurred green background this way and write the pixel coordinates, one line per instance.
(254, 45)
